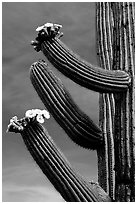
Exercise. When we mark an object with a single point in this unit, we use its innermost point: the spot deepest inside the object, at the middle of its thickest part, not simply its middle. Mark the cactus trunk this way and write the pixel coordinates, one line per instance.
(106, 155)
(120, 37)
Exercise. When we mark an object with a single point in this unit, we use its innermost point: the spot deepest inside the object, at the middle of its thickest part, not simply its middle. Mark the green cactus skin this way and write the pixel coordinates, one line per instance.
(80, 71)
(54, 165)
(79, 127)
(120, 37)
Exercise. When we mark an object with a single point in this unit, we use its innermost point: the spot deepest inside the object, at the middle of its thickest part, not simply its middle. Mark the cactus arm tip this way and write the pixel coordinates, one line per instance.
(17, 125)
(46, 32)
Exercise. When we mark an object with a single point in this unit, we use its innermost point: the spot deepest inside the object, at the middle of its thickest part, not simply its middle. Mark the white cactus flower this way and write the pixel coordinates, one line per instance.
(46, 25)
(30, 113)
(58, 25)
(40, 28)
(13, 119)
(40, 118)
(40, 115)
(37, 111)
(46, 114)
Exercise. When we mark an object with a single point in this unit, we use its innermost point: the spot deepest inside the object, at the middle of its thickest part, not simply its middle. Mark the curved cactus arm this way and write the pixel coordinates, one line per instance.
(52, 162)
(79, 127)
(71, 65)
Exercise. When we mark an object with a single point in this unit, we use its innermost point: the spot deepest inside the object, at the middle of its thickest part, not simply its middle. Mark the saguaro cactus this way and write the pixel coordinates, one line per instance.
(114, 80)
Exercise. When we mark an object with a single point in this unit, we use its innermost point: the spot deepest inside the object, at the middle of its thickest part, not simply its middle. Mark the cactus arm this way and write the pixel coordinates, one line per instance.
(74, 67)
(70, 185)
(79, 127)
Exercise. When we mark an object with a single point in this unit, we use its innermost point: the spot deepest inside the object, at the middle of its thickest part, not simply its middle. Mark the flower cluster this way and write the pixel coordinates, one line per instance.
(17, 125)
(49, 27)
(38, 114)
(46, 32)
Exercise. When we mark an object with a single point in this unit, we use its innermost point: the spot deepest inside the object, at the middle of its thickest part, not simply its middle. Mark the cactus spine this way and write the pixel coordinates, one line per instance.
(67, 182)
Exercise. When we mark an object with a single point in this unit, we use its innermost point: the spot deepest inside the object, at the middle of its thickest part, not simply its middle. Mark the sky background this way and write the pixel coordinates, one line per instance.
(22, 178)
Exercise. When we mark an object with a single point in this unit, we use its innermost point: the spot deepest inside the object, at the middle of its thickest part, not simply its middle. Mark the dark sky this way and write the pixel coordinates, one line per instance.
(22, 179)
